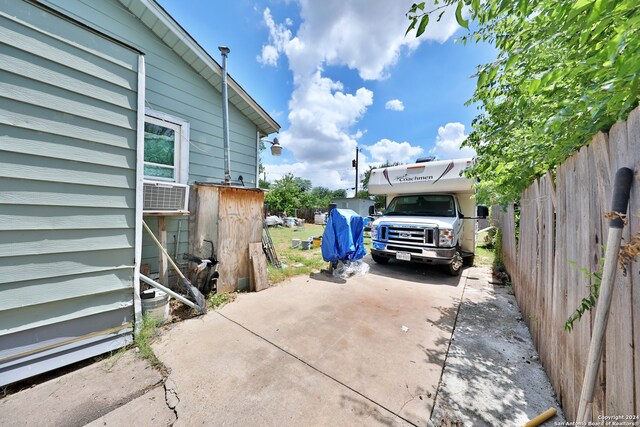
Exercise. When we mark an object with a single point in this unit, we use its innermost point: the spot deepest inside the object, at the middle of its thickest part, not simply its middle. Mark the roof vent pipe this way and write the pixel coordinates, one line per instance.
(224, 50)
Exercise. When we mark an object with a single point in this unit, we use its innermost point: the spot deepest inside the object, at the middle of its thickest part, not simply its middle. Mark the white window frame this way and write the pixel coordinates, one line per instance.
(181, 151)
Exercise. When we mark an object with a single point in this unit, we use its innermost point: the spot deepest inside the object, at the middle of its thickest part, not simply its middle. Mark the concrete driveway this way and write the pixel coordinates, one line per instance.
(316, 351)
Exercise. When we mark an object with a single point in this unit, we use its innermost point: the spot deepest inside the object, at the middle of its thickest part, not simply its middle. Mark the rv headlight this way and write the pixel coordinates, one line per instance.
(446, 237)
(374, 232)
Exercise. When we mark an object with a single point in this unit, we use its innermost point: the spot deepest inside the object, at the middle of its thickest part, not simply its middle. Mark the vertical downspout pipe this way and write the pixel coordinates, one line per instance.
(257, 159)
(224, 50)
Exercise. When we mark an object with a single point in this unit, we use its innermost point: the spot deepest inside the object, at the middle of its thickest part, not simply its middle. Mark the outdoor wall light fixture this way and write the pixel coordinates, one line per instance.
(276, 148)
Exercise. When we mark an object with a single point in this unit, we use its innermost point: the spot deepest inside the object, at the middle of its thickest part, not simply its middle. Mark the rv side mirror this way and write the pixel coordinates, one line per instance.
(482, 211)
(372, 210)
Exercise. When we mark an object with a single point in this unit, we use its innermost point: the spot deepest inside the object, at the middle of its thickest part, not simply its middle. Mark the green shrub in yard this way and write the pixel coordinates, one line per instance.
(498, 262)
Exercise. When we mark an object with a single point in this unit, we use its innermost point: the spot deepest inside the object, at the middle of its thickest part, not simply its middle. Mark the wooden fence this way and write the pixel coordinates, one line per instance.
(562, 228)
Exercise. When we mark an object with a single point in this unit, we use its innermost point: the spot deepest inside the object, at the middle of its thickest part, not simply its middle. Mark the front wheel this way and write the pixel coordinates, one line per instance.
(380, 259)
(455, 267)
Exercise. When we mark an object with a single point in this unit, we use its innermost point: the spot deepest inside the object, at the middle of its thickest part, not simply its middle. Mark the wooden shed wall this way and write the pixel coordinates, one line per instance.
(232, 218)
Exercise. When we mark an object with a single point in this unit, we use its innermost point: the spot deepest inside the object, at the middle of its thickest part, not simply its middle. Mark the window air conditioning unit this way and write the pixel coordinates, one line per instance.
(165, 197)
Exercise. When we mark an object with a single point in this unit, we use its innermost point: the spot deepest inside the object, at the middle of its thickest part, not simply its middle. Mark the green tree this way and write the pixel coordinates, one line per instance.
(565, 69)
(322, 197)
(285, 195)
(303, 184)
(339, 194)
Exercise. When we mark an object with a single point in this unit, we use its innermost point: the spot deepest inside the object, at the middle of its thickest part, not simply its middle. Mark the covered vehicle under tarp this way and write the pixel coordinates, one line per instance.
(343, 238)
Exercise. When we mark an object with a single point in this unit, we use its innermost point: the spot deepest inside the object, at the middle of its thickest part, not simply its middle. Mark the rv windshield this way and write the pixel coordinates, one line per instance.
(423, 205)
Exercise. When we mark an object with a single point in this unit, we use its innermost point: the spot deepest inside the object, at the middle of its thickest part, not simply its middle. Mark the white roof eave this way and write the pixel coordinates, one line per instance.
(166, 28)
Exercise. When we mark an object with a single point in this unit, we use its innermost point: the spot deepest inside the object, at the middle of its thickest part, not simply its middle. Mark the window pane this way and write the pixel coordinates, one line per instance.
(159, 145)
(158, 171)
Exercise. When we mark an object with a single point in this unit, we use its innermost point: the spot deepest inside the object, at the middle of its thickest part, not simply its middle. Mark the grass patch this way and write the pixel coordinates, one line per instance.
(297, 261)
(484, 257)
(143, 339)
(485, 251)
(218, 300)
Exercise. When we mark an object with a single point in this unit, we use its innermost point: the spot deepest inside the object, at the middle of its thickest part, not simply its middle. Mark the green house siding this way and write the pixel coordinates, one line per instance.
(68, 120)
(175, 88)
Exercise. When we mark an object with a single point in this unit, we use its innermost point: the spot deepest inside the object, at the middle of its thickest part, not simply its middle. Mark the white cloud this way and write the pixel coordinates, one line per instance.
(269, 55)
(279, 36)
(386, 150)
(395, 105)
(448, 141)
(363, 35)
(321, 115)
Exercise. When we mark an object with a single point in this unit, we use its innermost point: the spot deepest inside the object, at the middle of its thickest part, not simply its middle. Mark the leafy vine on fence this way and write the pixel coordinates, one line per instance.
(595, 280)
(628, 253)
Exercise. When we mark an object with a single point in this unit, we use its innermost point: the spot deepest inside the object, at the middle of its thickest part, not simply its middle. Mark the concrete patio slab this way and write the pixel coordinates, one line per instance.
(224, 375)
(315, 351)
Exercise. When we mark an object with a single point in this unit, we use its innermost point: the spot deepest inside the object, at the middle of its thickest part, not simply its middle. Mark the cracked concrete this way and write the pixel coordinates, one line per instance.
(314, 352)
(171, 397)
(80, 397)
(149, 410)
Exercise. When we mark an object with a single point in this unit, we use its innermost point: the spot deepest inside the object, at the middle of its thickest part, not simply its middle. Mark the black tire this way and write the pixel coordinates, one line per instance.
(380, 259)
(455, 268)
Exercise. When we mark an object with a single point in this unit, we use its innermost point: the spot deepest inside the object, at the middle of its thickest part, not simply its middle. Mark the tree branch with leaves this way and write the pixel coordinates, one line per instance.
(565, 70)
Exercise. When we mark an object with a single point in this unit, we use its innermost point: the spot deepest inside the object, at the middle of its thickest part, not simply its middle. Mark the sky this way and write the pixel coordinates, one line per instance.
(340, 75)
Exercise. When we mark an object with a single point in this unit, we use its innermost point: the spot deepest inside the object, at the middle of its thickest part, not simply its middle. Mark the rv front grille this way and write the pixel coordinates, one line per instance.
(408, 234)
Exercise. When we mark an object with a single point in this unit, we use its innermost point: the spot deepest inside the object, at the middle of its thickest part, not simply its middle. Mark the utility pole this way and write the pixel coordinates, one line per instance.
(354, 163)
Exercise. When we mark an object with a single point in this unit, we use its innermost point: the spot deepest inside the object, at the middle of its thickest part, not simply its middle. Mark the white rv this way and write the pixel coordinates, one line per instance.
(430, 215)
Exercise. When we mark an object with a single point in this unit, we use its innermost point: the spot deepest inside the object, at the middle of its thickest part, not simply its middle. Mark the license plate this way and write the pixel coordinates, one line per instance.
(403, 256)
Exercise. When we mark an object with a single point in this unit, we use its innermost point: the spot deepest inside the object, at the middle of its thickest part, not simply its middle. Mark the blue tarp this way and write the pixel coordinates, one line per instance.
(343, 238)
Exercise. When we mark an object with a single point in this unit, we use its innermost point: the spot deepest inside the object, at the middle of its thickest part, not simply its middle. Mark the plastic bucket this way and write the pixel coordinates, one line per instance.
(317, 242)
(155, 303)
(295, 243)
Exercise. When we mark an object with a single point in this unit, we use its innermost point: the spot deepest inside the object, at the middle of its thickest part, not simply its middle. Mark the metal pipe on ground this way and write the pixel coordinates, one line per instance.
(195, 293)
(176, 295)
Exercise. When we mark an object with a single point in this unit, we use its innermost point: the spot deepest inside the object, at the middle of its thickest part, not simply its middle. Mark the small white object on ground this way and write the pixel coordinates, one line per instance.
(404, 329)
